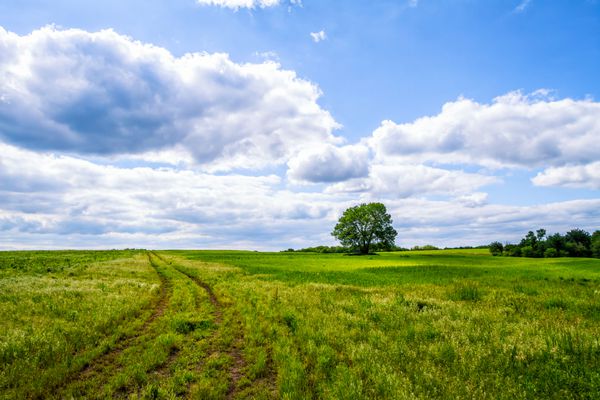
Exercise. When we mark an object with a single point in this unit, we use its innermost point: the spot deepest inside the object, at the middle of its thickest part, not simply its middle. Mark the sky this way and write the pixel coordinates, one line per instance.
(253, 124)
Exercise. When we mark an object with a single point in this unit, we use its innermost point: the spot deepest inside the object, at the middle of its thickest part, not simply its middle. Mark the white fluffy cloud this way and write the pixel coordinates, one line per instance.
(402, 181)
(74, 102)
(576, 176)
(329, 164)
(104, 93)
(237, 4)
(45, 204)
(318, 36)
(48, 196)
(454, 223)
(515, 130)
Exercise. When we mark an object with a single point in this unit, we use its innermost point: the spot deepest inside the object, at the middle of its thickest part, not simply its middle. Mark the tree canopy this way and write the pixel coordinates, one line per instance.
(575, 243)
(364, 226)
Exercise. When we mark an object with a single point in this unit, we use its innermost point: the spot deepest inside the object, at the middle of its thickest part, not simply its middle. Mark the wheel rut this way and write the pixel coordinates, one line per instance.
(235, 349)
(108, 358)
(211, 294)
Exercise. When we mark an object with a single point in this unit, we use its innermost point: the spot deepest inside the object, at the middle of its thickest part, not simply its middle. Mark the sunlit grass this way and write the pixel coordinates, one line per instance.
(427, 324)
(439, 324)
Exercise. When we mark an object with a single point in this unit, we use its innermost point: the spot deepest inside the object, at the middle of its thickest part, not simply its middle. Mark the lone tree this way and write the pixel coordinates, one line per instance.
(365, 225)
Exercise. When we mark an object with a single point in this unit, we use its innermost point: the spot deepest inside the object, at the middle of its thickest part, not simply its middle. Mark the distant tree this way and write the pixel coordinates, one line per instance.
(556, 241)
(551, 252)
(578, 243)
(575, 243)
(527, 251)
(540, 234)
(496, 248)
(596, 244)
(425, 247)
(365, 225)
(512, 250)
(529, 240)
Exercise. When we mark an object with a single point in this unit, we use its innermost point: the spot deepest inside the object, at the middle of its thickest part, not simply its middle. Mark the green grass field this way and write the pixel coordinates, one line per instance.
(456, 324)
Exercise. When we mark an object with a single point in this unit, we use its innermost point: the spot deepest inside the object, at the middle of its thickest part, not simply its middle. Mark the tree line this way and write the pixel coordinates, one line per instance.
(575, 243)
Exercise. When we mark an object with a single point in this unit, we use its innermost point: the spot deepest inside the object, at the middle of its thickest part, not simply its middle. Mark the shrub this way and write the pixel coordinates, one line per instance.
(596, 244)
(425, 247)
(527, 251)
(512, 250)
(551, 253)
(496, 248)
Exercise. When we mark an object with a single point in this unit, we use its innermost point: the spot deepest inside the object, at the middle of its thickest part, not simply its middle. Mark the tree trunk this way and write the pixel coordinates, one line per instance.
(364, 249)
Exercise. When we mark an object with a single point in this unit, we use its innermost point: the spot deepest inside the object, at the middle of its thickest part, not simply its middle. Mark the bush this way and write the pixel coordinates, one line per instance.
(551, 253)
(496, 248)
(512, 250)
(527, 251)
(576, 249)
(426, 247)
(596, 244)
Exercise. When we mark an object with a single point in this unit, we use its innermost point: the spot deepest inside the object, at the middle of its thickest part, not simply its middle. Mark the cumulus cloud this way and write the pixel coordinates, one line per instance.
(84, 204)
(453, 223)
(515, 130)
(329, 164)
(104, 93)
(476, 199)
(318, 36)
(46, 194)
(237, 4)
(402, 181)
(67, 96)
(576, 176)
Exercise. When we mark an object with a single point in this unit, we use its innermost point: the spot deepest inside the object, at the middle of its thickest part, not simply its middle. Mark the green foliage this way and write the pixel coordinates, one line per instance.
(496, 248)
(528, 251)
(578, 243)
(321, 249)
(360, 227)
(556, 241)
(424, 247)
(551, 252)
(596, 244)
(512, 250)
(575, 243)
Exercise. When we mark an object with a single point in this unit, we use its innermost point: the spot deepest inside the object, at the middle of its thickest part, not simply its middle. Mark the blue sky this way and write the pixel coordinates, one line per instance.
(254, 123)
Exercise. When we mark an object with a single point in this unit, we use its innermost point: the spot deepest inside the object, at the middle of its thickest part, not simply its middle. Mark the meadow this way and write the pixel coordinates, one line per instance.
(456, 324)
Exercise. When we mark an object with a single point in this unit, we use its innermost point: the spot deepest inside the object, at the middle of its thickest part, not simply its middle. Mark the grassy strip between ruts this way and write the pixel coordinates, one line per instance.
(160, 362)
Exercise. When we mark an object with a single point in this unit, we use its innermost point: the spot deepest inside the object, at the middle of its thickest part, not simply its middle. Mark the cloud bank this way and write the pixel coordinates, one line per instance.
(109, 142)
(104, 93)
(514, 131)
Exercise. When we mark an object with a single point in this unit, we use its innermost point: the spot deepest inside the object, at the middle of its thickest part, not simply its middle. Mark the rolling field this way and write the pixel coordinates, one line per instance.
(456, 324)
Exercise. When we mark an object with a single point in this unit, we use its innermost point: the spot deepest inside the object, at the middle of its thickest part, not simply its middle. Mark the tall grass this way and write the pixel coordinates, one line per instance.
(443, 324)
(455, 324)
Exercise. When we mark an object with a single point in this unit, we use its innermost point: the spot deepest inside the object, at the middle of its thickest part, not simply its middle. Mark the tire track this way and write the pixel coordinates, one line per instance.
(211, 294)
(238, 363)
(161, 370)
(235, 371)
(108, 358)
